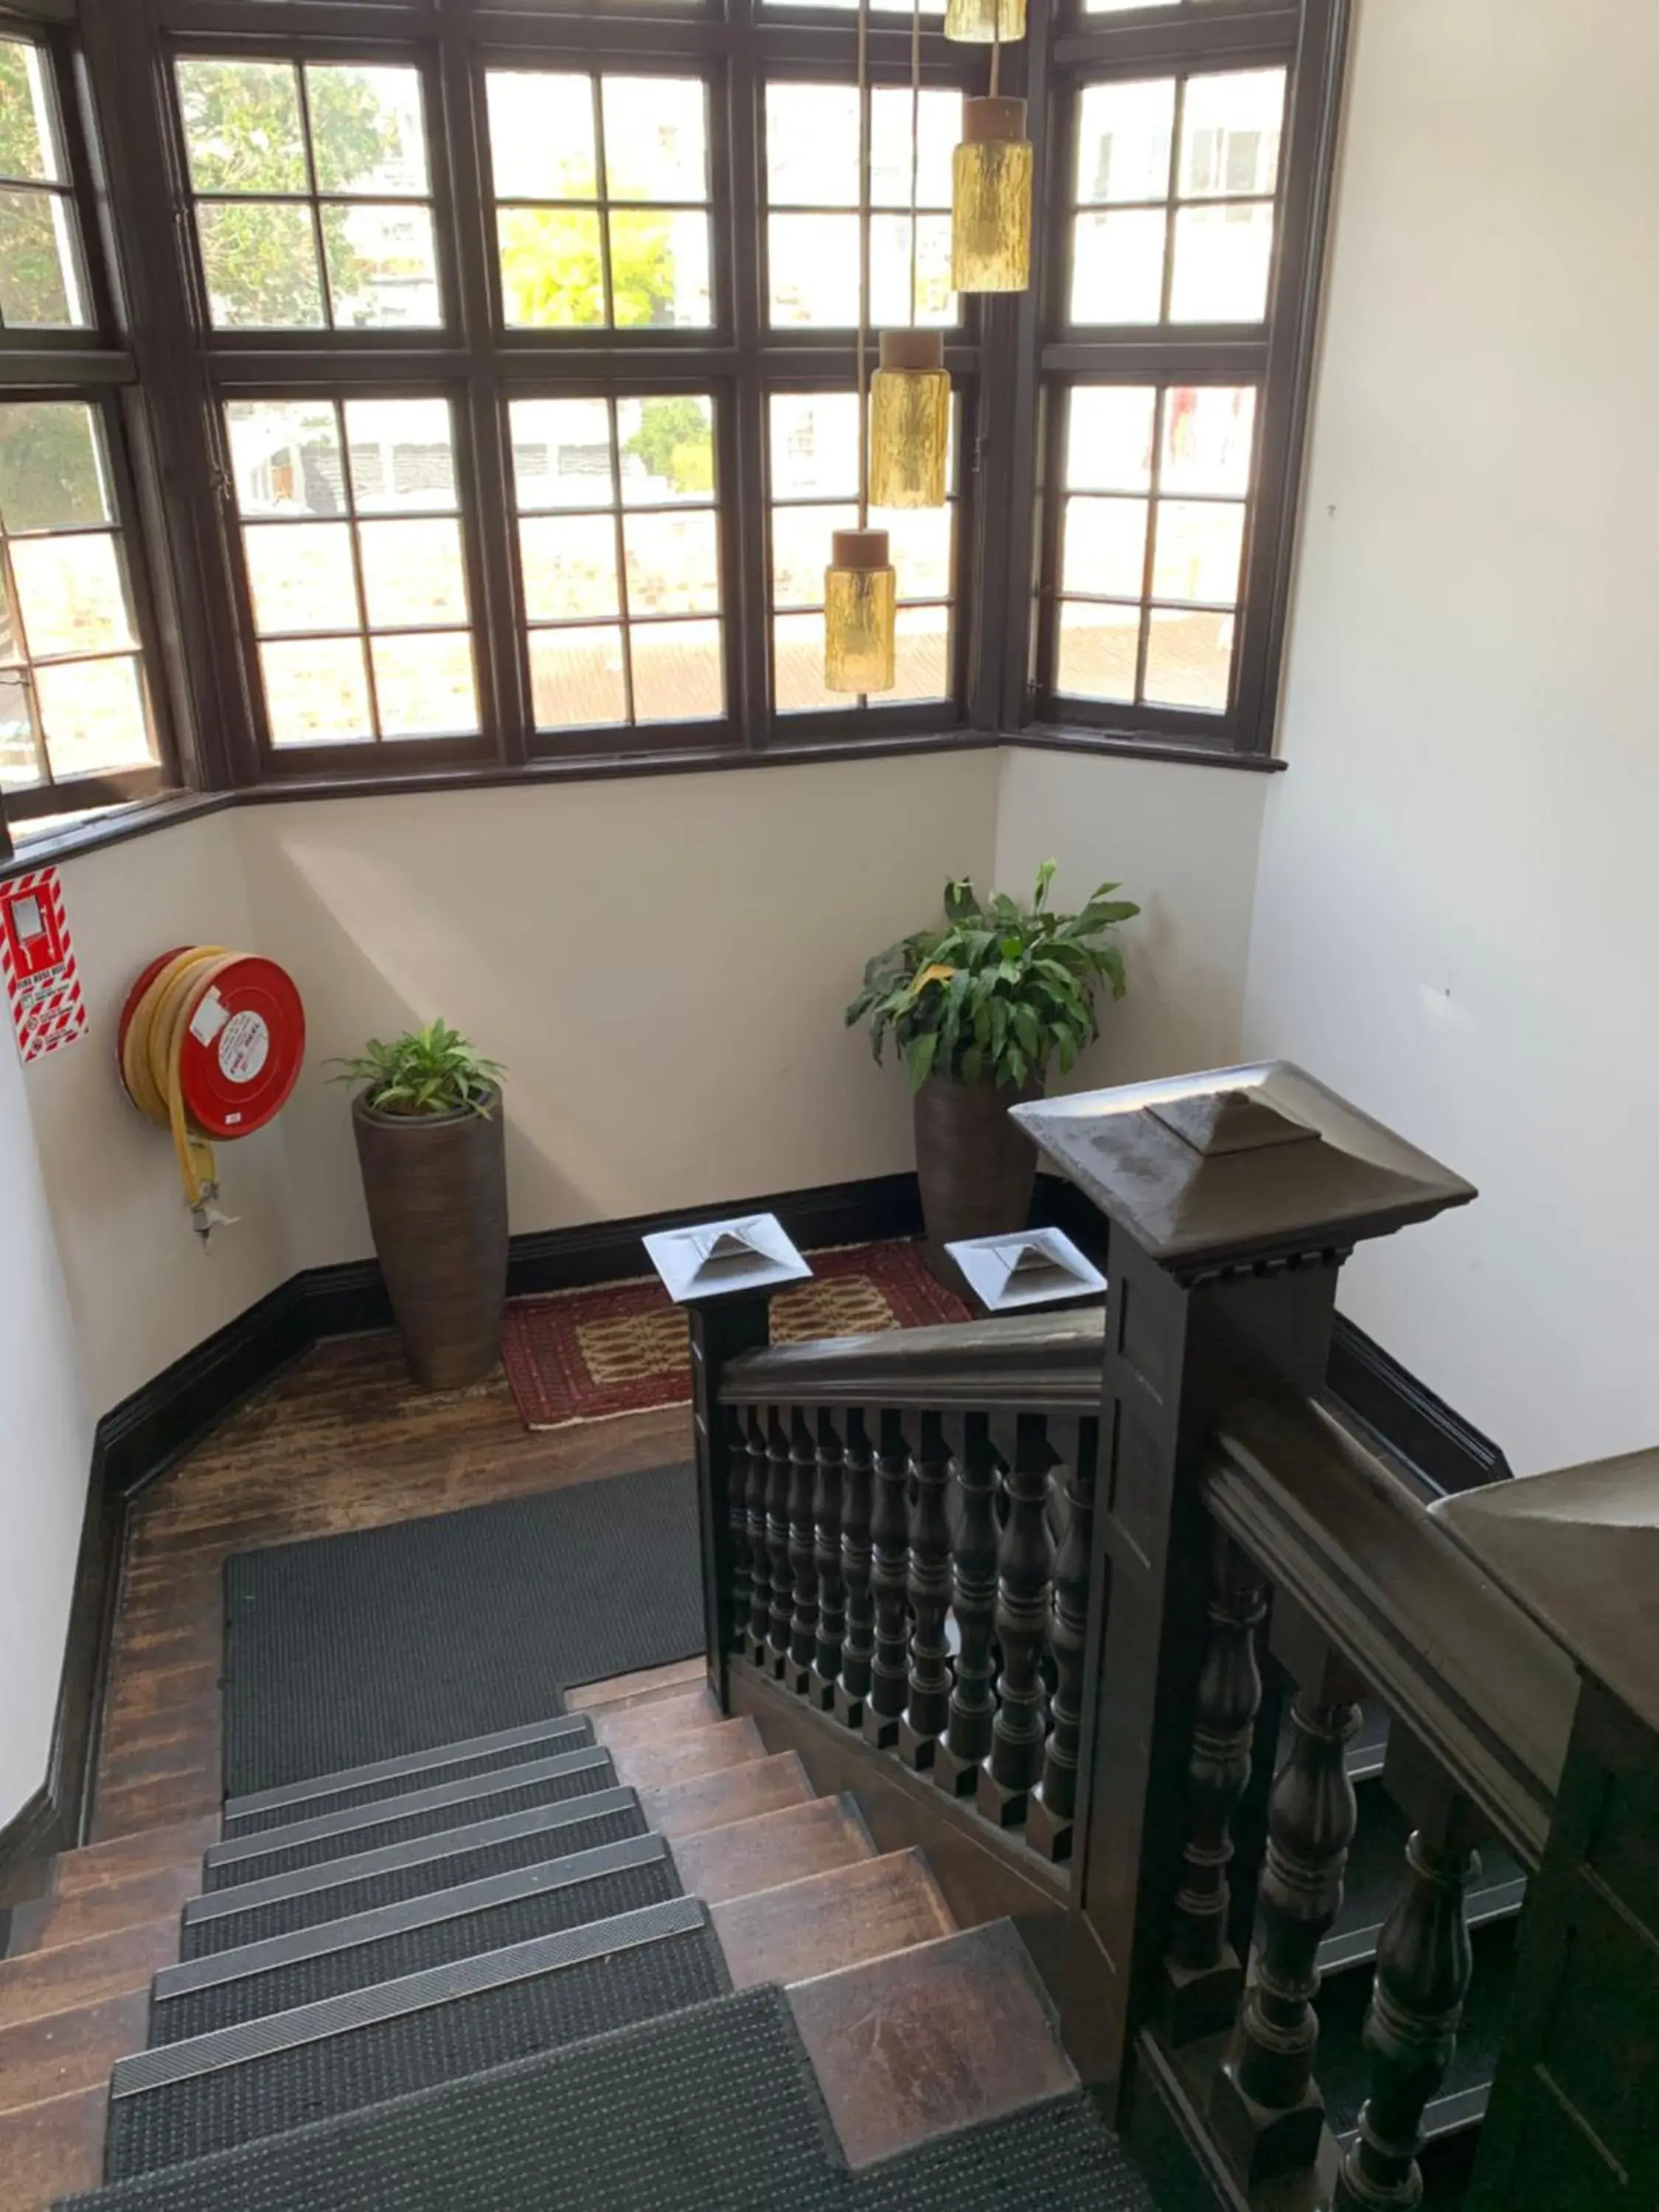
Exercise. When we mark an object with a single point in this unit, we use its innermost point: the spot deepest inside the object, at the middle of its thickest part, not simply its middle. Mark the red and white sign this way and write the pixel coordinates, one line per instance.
(38, 962)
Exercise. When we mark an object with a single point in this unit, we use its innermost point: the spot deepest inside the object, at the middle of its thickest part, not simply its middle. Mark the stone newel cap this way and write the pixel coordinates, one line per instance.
(1239, 1164)
(717, 1258)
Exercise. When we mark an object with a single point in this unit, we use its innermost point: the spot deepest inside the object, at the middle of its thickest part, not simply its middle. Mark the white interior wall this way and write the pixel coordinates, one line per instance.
(1457, 923)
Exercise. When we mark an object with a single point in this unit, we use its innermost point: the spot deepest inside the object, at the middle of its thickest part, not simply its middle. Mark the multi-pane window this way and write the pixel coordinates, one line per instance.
(619, 557)
(602, 191)
(42, 279)
(1156, 479)
(813, 199)
(814, 446)
(74, 700)
(1175, 185)
(356, 568)
(313, 194)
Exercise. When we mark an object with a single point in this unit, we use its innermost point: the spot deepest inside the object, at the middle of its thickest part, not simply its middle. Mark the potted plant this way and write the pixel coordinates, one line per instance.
(979, 1010)
(427, 1122)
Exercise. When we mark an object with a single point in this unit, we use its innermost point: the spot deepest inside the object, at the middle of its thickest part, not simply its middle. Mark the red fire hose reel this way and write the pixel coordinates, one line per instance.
(209, 1048)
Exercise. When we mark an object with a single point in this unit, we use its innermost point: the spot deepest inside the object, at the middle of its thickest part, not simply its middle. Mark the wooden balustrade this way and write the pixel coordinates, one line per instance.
(857, 1651)
(827, 1496)
(889, 1580)
(975, 1474)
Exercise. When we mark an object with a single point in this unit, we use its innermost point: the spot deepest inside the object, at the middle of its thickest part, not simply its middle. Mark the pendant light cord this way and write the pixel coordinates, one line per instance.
(915, 147)
(864, 260)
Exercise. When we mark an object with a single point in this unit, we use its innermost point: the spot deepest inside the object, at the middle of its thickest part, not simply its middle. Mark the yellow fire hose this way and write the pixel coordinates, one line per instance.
(151, 1053)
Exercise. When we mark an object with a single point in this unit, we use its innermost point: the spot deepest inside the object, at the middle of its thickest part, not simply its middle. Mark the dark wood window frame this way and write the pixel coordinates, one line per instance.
(169, 373)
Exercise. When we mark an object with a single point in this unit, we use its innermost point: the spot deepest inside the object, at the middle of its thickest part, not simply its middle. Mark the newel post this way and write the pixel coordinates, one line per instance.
(726, 1274)
(1233, 1198)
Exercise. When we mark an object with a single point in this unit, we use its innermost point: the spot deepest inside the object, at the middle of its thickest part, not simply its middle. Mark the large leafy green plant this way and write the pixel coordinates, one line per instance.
(999, 990)
(429, 1070)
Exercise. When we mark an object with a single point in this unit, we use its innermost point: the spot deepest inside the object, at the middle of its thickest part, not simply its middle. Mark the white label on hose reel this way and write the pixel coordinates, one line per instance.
(209, 1018)
(245, 1048)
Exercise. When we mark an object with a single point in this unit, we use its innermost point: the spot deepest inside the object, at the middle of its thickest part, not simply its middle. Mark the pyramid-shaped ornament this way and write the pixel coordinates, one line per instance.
(1008, 1274)
(716, 1259)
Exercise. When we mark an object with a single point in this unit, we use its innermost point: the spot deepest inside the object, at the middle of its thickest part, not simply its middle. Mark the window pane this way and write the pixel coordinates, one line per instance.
(919, 539)
(425, 686)
(552, 276)
(660, 270)
(541, 135)
(285, 456)
(368, 130)
(1105, 550)
(667, 449)
(52, 470)
(301, 576)
(890, 271)
(242, 128)
(800, 551)
(561, 453)
(259, 257)
(677, 672)
(1124, 138)
(1209, 438)
(19, 763)
(815, 445)
(72, 595)
(812, 146)
(1189, 659)
(890, 144)
(569, 567)
(93, 715)
(28, 138)
(1117, 269)
(673, 563)
(922, 658)
(814, 269)
(576, 677)
(403, 455)
(1108, 438)
(382, 267)
(412, 574)
(798, 666)
(1200, 546)
(40, 272)
(1098, 647)
(1230, 134)
(1222, 259)
(656, 138)
(317, 692)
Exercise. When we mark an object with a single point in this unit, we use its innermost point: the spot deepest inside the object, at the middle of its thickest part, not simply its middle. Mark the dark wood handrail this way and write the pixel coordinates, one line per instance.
(1465, 1666)
(1048, 1363)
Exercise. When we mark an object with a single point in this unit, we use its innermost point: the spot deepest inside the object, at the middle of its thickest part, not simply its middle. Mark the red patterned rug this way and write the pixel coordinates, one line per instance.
(591, 1355)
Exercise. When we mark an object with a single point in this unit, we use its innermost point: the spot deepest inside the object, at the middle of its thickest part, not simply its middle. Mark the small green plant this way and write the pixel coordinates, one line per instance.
(429, 1070)
(999, 990)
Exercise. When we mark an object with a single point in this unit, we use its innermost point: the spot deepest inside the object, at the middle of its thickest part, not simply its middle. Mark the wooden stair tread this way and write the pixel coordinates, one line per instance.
(825, 1921)
(680, 1713)
(700, 1751)
(50, 2149)
(68, 2051)
(619, 1690)
(943, 2035)
(733, 1793)
(147, 1851)
(77, 1974)
(53, 1922)
(770, 1849)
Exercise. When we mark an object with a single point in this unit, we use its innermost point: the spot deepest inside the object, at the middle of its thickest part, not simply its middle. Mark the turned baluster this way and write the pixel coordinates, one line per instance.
(1203, 1977)
(827, 1559)
(1424, 1967)
(889, 1580)
(974, 1597)
(1048, 1826)
(760, 1557)
(1266, 2105)
(1009, 1773)
(928, 1706)
(736, 1459)
(779, 1472)
(803, 1553)
(858, 1648)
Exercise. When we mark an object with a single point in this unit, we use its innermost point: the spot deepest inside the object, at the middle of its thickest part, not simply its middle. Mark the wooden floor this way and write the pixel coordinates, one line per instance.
(342, 1440)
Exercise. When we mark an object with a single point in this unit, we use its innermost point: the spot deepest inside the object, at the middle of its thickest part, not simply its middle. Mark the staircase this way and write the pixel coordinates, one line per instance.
(622, 1959)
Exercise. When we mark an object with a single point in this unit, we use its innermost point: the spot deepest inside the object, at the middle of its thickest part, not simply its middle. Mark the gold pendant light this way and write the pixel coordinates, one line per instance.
(991, 199)
(984, 23)
(910, 391)
(860, 590)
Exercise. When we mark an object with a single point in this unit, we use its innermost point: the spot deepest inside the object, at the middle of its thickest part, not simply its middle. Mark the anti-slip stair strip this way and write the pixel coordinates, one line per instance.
(325, 1827)
(254, 2039)
(385, 1920)
(360, 1785)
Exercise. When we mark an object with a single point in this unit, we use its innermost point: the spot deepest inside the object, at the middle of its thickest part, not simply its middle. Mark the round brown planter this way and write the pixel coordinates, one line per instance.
(436, 1186)
(977, 1168)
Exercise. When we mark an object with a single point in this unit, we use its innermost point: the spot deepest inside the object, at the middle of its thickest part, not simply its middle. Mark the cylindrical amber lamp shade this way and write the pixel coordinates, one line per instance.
(909, 420)
(860, 608)
(991, 199)
(975, 21)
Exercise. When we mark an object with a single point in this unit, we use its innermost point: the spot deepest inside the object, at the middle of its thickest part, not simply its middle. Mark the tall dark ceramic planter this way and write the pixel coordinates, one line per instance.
(436, 1187)
(977, 1169)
